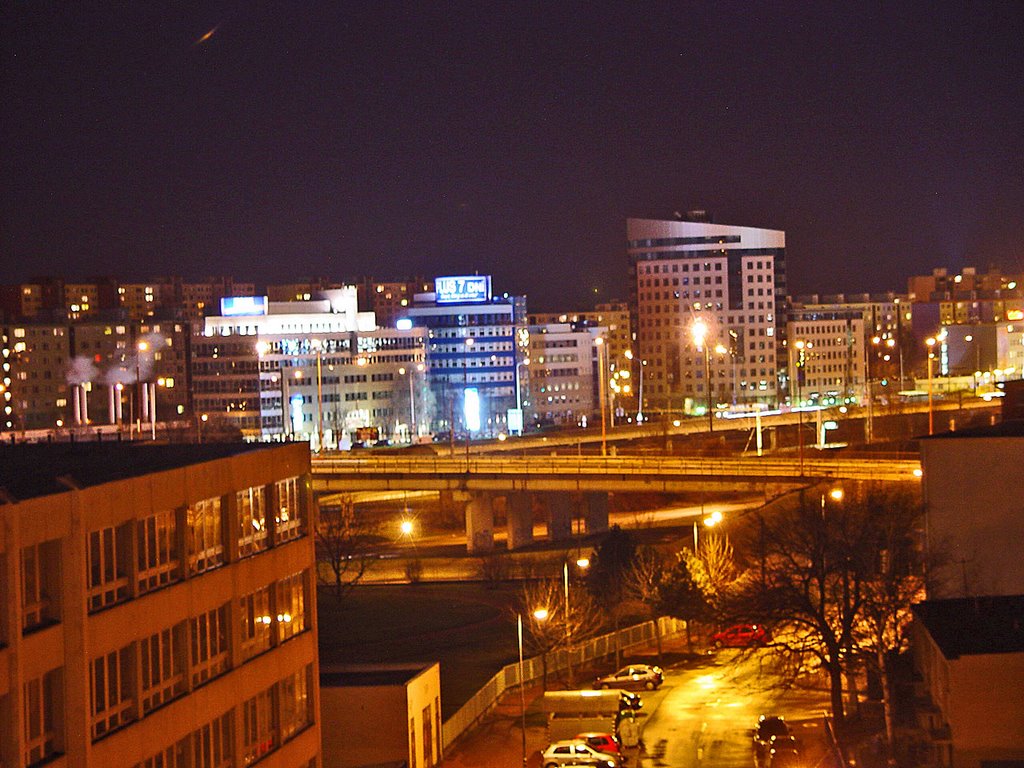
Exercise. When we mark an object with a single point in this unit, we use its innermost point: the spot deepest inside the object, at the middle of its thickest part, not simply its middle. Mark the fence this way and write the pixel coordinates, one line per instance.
(508, 677)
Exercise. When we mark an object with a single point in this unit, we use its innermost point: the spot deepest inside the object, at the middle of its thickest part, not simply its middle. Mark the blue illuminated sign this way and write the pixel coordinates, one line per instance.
(243, 306)
(466, 289)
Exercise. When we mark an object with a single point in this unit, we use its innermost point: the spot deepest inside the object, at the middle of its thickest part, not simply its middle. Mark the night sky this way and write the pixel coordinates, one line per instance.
(390, 139)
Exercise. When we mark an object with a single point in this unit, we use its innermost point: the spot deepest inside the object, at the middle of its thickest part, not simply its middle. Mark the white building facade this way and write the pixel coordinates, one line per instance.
(327, 374)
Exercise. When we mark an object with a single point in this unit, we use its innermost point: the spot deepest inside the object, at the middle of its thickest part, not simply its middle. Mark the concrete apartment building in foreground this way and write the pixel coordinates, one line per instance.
(158, 607)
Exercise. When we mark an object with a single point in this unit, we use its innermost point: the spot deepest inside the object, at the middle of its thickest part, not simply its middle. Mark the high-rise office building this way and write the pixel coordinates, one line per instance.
(707, 299)
(475, 345)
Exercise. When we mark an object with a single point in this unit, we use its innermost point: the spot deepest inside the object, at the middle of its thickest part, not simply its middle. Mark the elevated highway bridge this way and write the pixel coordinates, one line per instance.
(555, 482)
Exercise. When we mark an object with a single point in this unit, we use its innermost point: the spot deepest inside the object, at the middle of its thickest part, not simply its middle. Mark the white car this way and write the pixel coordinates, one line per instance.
(577, 752)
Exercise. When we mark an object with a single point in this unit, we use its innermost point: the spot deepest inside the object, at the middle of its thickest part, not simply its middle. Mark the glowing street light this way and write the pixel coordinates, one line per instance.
(540, 615)
(930, 343)
(699, 330)
(599, 341)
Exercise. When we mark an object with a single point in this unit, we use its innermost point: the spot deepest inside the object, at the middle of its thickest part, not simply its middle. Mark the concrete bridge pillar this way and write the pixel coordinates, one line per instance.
(519, 512)
(597, 511)
(480, 523)
(453, 507)
(559, 516)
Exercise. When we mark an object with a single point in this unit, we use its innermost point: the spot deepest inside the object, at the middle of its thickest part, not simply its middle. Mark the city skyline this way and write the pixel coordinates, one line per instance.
(412, 140)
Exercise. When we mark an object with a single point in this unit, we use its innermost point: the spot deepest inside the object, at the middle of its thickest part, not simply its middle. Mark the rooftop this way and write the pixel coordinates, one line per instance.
(365, 675)
(1007, 428)
(39, 469)
(971, 626)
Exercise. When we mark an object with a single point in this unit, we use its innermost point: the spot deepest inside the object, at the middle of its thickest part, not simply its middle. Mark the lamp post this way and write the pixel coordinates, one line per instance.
(640, 393)
(139, 392)
(930, 343)
(599, 341)
(317, 345)
(734, 353)
(412, 399)
(540, 614)
(700, 335)
(977, 360)
(465, 389)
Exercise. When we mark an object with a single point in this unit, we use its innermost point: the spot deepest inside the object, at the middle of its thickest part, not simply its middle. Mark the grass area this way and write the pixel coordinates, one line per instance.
(466, 627)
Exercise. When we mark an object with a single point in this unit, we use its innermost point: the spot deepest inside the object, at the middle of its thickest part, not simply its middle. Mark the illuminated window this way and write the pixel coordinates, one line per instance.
(288, 517)
(205, 543)
(252, 521)
(291, 606)
(256, 622)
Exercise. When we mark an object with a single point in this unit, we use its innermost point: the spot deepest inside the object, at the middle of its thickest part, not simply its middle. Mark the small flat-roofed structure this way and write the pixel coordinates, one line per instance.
(381, 714)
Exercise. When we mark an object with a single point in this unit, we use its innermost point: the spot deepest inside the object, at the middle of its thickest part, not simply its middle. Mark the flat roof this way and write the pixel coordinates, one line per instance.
(1008, 428)
(367, 675)
(30, 470)
(970, 626)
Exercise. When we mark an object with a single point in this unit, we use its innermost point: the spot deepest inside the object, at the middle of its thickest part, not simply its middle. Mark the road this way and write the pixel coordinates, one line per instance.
(443, 557)
(703, 717)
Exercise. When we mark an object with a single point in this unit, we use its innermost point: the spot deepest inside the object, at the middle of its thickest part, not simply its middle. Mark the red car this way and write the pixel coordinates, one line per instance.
(602, 742)
(741, 636)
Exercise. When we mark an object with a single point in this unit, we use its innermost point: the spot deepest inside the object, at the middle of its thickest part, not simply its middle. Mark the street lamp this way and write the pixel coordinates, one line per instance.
(709, 522)
(412, 400)
(465, 391)
(836, 494)
(318, 346)
(699, 329)
(139, 393)
(599, 341)
(540, 615)
(930, 343)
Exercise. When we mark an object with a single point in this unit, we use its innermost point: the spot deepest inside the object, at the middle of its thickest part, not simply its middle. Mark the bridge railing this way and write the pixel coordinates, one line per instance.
(533, 669)
(857, 469)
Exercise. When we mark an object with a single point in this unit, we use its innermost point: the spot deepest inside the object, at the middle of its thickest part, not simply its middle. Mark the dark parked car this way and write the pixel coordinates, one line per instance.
(768, 726)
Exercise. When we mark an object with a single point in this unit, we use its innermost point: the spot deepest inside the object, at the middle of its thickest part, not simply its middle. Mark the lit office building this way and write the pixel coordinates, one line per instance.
(476, 344)
(158, 606)
(326, 373)
(726, 282)
(562, 373)
(887, 323)
(827, 357)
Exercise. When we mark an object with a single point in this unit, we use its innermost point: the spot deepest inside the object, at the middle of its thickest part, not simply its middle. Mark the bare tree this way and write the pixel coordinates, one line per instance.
(897, 584)
(342, 548)
(812, 590)
(550, 628)
(643, 582)
(827, 586)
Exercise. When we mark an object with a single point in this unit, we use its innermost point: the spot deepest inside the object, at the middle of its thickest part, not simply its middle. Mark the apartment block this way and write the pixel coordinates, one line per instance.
(158, 606)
